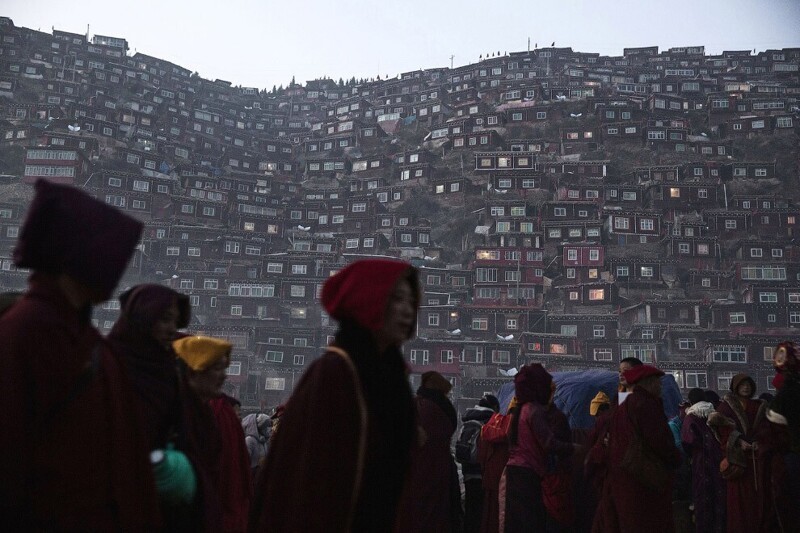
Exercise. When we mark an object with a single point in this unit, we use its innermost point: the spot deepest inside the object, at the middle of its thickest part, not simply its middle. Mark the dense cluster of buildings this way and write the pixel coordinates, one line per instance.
(251, 199)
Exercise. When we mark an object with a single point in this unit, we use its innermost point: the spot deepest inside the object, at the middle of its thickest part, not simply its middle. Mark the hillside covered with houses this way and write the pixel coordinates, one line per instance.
(563, 207)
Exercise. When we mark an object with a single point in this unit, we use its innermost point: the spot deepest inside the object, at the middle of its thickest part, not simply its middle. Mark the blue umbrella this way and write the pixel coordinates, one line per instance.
(575, 390)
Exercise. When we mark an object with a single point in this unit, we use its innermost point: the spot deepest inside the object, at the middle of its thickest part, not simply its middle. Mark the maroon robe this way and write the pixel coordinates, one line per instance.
(625, 504)
(749, 502)
(708, 487)
(235, 487)
(315, 462)
(493, 456)
(427, 504)
(84, 465)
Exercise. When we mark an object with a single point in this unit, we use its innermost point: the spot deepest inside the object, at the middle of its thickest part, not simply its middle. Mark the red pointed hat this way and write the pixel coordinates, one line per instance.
(639, 372)
(360, 291)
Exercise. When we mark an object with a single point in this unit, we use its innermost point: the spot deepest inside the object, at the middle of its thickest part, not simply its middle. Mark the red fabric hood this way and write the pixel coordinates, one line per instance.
(360, 291)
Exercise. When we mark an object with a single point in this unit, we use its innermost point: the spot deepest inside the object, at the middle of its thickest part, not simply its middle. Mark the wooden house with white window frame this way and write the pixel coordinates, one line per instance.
(633, 226)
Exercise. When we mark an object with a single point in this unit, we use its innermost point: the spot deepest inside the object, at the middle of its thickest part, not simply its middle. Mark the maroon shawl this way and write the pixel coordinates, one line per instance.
(85, 467)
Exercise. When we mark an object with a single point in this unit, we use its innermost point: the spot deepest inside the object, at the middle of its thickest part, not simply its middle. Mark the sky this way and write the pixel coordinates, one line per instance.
(263, 43)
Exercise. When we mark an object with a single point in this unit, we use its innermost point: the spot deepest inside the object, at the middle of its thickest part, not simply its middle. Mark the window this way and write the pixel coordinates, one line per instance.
(696, 380)
(597, 294)
(683, 247)
(446, 356)
(569, 330)
(602, 354)
(275, 383)
(234, 369)
(193, 252)
(621, 223)
(486, 275)
(560, 211)
(737, 317)
(297, 291)
(622, 271)
(646, 224)
(794, 317)
(572, 255)
(502, 357)
(558, 348)
(646, 353)
(729, 354)
(236, 310)
(273, 356)
(594, 255)
(299, 359)
(433, 319)
(687, 344)
(480, 324)
(777, 252)
(768, 297)
(599, 331)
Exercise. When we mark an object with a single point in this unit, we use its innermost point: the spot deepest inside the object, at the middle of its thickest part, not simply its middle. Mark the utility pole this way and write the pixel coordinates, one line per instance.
(451, 61)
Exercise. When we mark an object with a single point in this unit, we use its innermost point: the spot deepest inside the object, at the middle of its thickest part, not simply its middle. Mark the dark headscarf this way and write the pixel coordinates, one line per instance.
(151, 366)
(69, 232)
(738, 379)
(532, 384)
(434, 387)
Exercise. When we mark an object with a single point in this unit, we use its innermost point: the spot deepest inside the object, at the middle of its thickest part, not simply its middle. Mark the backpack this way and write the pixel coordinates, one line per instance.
(467, 443)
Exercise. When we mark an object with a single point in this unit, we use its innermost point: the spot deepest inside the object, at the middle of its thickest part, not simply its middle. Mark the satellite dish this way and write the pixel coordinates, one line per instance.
(70, 127)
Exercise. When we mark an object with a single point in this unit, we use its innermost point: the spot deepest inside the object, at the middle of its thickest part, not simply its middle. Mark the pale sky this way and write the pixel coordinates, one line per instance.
(264, 43)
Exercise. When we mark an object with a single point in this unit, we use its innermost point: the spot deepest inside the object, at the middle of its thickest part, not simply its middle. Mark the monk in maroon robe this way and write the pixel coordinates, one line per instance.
(625, 503)
(340, 459)
(72, 453)
(739, 423)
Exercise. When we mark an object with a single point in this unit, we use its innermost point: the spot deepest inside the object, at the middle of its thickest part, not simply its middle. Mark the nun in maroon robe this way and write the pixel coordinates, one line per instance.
(142, 336)
(340, 460)
(739, 422)
(73, 455)
(625, 503)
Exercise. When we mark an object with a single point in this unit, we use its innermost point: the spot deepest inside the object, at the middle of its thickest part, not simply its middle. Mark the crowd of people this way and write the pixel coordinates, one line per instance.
(133, 432)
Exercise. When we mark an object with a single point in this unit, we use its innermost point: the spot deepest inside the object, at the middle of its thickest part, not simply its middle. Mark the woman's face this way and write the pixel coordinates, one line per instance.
(745, 389)
(166, 327)
(398, 322)
(208, 383)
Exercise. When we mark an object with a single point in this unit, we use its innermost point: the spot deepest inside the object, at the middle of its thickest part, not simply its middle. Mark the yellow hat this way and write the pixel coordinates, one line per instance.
(597, 401)
(200, 352)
